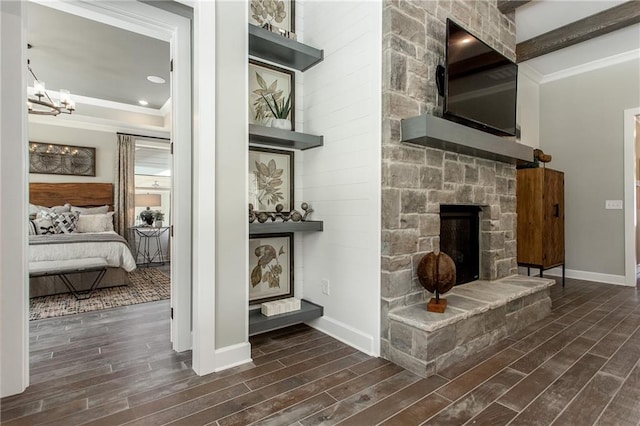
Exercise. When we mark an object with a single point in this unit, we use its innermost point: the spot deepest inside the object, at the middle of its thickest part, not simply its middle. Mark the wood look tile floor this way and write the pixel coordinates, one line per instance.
(579, 366)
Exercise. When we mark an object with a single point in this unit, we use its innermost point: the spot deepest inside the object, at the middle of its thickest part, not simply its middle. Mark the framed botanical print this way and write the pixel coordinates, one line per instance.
(270, 86)
(270, 267)
(53, 159)
(271, 179)
(280, 13)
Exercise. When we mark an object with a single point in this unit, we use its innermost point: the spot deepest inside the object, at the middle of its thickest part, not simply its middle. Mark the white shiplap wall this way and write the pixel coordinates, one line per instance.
(341, 180)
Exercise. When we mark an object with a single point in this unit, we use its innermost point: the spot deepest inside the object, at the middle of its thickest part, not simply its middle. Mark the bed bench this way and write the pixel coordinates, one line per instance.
(63, 268)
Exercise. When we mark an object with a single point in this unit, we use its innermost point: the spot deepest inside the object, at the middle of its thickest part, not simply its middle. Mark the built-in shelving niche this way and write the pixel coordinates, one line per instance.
(273, 47)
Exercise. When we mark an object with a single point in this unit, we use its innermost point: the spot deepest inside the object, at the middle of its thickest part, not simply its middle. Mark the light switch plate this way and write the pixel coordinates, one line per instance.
(613, 204)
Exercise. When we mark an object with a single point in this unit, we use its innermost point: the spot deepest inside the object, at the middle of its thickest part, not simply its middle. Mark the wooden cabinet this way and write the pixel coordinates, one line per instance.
(540, 198)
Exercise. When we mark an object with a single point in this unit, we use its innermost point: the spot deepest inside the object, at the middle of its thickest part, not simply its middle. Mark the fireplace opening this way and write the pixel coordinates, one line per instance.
(460, 239)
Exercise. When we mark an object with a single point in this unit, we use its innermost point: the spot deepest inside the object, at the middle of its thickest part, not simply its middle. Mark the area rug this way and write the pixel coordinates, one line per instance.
(146, 285)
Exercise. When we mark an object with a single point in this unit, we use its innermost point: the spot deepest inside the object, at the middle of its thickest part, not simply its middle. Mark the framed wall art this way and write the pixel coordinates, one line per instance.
(270, 179)
(53, 159)
(268, 83)
(280, 13)
(270, 267)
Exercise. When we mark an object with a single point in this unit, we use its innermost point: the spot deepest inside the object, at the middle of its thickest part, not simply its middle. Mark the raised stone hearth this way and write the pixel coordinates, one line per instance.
(478, 314)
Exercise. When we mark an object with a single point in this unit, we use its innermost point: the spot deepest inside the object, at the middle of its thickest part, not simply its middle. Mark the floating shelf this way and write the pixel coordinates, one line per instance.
(283, 138)
(276, 48)
(278, 227)
(436, 132)
(259, 323)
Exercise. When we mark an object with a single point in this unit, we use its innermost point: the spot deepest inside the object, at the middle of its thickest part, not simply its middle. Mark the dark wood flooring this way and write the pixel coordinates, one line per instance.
(577, 367)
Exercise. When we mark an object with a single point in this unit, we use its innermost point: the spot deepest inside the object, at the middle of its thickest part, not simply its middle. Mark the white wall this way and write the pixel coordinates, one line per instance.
(581, 126)
(14, 300)
(341, 180)
(104, 142)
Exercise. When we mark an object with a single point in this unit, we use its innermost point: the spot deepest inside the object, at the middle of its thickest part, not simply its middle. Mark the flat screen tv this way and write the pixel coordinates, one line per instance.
(480, 84)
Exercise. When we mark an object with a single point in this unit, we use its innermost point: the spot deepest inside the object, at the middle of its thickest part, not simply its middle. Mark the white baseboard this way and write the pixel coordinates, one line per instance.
(346, 334)
(231, 356)
(586, 275)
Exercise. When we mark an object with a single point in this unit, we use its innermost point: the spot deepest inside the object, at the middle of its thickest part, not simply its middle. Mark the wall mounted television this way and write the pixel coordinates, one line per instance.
(480, 84)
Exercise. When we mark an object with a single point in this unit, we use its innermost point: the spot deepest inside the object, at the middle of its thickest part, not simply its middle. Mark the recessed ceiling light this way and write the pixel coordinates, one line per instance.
(156, 79)
(143, 102)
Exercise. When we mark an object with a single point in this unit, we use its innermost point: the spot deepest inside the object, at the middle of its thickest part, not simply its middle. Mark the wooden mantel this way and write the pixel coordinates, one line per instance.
(436, 132)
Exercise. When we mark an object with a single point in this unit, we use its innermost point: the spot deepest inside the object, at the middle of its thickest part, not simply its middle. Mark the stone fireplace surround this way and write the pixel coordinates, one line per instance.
(417, 179)
(478, 313)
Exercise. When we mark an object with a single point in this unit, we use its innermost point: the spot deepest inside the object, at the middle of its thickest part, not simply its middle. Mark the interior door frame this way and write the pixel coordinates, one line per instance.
(153, 22)
(629, 162)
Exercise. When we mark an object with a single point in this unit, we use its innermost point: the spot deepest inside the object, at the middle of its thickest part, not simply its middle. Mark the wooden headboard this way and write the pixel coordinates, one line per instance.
(76, 194)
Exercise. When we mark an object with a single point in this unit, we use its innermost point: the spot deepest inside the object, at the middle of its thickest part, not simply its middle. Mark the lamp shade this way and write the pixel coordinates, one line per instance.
(148, 200)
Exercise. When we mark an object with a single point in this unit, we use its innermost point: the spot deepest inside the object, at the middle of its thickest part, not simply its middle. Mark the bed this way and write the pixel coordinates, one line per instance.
(90, 238)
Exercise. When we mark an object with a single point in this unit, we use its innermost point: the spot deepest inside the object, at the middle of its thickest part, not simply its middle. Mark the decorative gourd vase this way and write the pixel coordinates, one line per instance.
(147, 217)
(281, 123)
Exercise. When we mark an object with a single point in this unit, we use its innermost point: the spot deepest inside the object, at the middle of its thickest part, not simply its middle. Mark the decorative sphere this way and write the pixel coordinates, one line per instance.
(279, 208)
(296, 216)
(437, 272)
(304, 206)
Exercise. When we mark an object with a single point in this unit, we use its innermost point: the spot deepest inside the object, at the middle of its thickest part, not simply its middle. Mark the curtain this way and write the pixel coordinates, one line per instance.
(124, 202)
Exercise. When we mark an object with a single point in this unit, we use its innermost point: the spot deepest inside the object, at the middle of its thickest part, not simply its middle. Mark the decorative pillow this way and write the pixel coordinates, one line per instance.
(36, 211)
(43, 226)
(109, 226)
(63, 223)
(93, 222)
(90, 210)
(32, 228)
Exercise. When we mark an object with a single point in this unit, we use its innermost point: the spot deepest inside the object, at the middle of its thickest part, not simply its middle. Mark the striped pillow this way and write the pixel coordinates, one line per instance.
(63, 223)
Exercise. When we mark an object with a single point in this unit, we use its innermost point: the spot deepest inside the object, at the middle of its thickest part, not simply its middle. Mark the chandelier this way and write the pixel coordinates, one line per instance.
(44, 105)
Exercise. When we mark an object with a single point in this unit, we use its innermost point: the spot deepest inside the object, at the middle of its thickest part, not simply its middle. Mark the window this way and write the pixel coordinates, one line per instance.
(153, 175)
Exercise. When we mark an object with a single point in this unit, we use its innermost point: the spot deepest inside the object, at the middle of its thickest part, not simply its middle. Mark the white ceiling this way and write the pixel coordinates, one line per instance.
(540, 16)
(95, 60)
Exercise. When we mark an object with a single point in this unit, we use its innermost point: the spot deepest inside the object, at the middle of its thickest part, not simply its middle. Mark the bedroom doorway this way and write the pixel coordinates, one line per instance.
(631, 132)
(174, 189)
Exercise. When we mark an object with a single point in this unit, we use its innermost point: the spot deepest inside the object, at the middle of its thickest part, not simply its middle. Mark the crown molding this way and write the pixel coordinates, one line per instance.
(86, 122)
(592, 66)
(102, 103)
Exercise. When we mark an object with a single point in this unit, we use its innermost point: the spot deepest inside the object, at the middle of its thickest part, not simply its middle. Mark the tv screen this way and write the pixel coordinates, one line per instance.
(480, 84)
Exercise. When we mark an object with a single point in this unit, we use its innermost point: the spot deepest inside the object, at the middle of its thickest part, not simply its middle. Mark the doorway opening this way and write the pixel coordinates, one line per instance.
(174, 120)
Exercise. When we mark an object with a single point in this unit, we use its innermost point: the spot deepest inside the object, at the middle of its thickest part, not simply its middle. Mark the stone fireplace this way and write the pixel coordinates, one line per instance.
(417, 181)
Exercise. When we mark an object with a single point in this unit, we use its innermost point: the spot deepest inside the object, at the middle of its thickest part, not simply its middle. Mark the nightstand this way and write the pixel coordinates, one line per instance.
(142, 236)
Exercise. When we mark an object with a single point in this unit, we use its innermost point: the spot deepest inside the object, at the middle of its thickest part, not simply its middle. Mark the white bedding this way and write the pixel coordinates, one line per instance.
(116, 254)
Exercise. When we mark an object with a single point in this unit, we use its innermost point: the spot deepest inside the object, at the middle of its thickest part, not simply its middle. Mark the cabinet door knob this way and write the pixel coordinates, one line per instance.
(556, 210)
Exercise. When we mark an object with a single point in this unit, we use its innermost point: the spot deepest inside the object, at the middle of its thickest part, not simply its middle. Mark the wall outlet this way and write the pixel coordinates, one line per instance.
(613, 204)
(326, 288)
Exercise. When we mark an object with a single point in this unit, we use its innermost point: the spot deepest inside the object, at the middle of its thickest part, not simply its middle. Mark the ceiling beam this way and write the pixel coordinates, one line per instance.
(609, 20)
(508, 6)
